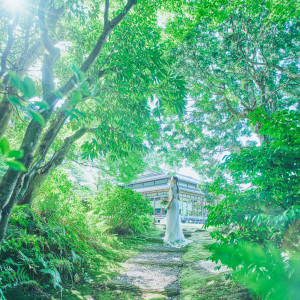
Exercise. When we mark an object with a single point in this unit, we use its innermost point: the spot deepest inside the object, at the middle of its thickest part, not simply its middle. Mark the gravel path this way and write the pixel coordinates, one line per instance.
(153, 274)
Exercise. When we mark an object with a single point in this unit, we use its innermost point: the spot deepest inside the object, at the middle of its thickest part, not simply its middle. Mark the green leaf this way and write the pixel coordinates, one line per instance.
(28, 88)
(41, 104)
(76, 97)
(94, 90)
(16, 165)
(98, 100)
(80, 113)
(16, 154)
(14, 79)
(84, 89)
(15, 100)
(73, 116)
(4, 146)
(78, 74)
(37, 117)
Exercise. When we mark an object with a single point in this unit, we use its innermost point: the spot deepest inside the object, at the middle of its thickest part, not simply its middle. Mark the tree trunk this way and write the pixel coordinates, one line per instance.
(34, 187)
(12, 188)
(58, 157)
(6, 110)
(261, 137)
(21, 66)
(6, 107)
(6, 211)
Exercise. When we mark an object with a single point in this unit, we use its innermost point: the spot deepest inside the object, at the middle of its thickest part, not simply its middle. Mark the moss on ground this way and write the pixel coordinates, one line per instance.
(132, 245)
(197, 286)
(197, 250)
(199, 283)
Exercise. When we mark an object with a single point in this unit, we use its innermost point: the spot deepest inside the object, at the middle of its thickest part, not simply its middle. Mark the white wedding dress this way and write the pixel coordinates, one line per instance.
(174, 236)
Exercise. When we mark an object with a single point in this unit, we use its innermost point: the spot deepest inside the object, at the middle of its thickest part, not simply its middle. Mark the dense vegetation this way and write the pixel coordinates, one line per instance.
(121, 87)
(260, 208)
(64, 240)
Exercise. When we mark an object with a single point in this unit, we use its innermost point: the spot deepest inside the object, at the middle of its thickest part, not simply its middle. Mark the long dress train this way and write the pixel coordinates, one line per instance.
(174, 236)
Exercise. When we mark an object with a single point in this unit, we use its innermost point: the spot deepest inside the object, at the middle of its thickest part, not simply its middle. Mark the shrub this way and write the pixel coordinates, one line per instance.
(59, 242)
(123, 209)
(261, 205)
(34, 252)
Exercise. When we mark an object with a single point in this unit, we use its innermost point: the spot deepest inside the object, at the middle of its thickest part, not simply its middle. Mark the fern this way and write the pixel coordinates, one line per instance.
(40, 254)
(55, 276)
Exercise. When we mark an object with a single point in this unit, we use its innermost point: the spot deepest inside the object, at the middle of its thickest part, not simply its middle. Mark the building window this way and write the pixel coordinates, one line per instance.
(162, 181)
(137, 185)
(149, 183)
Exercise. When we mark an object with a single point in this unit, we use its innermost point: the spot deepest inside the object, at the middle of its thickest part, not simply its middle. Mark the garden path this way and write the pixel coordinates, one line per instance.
(154, 274)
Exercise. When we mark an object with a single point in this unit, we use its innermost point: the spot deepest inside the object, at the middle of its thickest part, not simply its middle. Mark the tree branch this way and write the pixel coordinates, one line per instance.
(230, 108)
(217, 125)
(7, 50)
(60, 154)
(285, 71)
(98, 47)
(49, 60)
(48, 43)
(106, 9)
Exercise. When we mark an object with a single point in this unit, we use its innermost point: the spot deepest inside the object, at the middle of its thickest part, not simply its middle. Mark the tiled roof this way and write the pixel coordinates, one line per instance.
(152, 188)
(187, 178)
(150, 178)
(190, 190)
(166, 187)
(156, 176)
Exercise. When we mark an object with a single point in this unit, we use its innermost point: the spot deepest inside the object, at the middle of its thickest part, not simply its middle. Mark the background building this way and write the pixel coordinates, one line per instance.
(156, 185)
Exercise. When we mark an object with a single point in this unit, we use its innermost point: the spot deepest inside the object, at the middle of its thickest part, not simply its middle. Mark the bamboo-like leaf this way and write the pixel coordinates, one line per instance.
(37, 117)
(16, 153)
(16, 165)
(4, 146)
(28, 88)
(15, 100)
(41, 104)
(14, 79)
(76, 97)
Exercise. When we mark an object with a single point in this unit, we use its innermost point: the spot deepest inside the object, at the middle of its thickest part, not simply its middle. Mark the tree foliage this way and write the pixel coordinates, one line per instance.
(261, 207)
(58, 243)
(124, 209)
(245, 62)
(121, 85)
(97, 77)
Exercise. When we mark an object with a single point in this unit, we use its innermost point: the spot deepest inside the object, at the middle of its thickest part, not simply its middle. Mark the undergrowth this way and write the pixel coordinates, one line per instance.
(59, 244)
(198, 282)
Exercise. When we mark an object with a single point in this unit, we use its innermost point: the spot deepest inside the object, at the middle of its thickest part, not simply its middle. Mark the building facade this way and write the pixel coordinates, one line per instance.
(155, 186)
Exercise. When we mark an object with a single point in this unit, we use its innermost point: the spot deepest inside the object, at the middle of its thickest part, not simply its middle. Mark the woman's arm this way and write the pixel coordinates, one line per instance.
(172, 197)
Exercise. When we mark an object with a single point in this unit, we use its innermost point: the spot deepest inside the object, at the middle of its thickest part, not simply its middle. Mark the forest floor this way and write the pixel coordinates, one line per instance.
(200, 279)
(158, 272)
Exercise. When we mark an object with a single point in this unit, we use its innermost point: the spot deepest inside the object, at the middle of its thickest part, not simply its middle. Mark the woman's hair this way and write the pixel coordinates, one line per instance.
(176, 178)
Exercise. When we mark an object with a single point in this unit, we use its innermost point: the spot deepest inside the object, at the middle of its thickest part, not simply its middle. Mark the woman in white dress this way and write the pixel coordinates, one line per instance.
(174, 236)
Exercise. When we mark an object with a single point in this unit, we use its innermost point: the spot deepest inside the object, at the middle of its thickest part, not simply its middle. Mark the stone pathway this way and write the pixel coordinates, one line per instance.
(204, 279)
(154, 273)
(203, 266)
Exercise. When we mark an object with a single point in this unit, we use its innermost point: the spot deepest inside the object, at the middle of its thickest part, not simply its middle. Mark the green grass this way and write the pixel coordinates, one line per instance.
(197, 250)
(131, 246)
(105, 265)
(198, 283)
(98, 291)
(196, 286)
